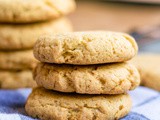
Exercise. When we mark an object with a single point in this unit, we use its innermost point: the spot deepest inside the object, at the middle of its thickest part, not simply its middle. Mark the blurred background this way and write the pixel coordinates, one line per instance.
(140, 18)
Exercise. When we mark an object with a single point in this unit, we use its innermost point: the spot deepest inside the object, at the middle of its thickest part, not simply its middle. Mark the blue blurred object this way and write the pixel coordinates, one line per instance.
(145, 104)
(148, 39)
(152, 47)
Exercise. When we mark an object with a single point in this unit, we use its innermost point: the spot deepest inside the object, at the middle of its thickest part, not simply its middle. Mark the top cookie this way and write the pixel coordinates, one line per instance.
(85, 48)
(26, 11)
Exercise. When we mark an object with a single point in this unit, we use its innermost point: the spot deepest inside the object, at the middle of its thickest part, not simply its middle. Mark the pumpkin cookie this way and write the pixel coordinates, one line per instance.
(149, 69)
(27, 11)
(17, 60)
(16, 79)
(85, 48)
(24, 36)
(94, 79)
(50, 105)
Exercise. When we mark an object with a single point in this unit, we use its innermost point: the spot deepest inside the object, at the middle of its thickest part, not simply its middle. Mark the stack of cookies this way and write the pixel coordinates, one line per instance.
(83, 76)
(21, 22)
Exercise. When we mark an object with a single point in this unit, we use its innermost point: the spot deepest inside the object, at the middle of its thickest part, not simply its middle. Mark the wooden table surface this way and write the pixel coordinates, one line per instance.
(112, 16)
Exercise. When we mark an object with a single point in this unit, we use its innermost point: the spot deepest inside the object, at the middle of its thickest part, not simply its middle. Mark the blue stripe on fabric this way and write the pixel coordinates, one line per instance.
(134, 116)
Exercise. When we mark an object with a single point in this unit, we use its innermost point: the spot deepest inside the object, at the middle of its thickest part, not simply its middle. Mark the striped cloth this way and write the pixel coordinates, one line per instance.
(145, 104)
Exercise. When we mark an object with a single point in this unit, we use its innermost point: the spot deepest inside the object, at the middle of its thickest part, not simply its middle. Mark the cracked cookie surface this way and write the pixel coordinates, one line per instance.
(85, 48)
(17, 60)
(149, 69)
(27, 11)
(24, 36)
(16, 79)
(50, 105)
(114, 78)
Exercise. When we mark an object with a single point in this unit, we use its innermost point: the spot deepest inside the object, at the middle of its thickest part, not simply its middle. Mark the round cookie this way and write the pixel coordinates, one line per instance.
(16, 79)
(85, 48)
(17, 60)
(149, 69)
(24, 36)
(50, 105)
(25, 11)
(95, 79)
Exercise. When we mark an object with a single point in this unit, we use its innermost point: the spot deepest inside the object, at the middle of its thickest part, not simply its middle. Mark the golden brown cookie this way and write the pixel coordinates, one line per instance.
(50, 105)
(23, 36)
(17, 60)
(94, 79)
(16, 79)
(85, 48)
(27, 11)
(149, 69)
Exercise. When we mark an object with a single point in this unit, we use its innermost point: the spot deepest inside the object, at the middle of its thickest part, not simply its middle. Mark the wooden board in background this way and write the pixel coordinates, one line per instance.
(93, 15)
